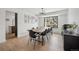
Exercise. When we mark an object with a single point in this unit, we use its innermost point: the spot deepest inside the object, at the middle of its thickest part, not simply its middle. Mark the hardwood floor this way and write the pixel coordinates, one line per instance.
(55, 43)
(10, 35)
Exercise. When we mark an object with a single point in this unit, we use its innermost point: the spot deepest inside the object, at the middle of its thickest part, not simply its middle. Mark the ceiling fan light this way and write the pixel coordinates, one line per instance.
(42, 12)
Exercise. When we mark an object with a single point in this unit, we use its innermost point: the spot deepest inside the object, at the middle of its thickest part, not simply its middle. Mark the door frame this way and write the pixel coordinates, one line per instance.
(16, 24)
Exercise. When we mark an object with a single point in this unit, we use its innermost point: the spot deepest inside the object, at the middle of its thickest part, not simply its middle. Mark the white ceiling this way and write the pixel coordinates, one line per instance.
(38, 10)
(35, 11)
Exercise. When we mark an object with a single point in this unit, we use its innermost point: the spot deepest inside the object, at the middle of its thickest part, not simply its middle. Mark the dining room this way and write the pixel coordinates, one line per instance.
(37, 30)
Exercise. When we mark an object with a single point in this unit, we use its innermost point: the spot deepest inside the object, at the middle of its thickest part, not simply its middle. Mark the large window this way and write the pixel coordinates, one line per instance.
(51, 21)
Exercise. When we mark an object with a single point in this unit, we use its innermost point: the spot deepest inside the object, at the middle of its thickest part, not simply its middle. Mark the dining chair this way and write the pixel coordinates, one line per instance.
(49, 33)
(43, 34)
(33, 37)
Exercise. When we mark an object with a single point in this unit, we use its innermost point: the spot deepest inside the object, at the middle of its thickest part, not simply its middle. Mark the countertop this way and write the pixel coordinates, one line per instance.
(74, 34)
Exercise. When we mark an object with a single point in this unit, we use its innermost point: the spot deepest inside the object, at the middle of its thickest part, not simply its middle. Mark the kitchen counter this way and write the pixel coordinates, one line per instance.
(74, 34)
(71, 42)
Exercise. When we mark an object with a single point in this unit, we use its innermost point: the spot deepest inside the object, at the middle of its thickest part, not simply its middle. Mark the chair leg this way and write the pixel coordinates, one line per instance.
(34, 44)
(51, 32)
(47, 37)
(42, 40)
(38, 40)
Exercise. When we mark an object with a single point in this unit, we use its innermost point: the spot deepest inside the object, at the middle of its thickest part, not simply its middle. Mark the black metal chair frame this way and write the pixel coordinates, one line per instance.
(33, 36)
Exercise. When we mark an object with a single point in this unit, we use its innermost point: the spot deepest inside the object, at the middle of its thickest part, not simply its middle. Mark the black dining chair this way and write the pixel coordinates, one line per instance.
(33, 37)
(43, 34)
(47, 30)
(51, 30)
(48, 33)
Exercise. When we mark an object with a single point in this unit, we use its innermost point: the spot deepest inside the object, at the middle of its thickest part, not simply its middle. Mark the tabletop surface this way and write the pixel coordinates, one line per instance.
(40, 29)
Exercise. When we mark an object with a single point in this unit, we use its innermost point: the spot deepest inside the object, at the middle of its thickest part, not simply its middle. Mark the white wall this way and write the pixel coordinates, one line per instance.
(2, 25)
(62, 19)
(23, 27)
(41, 22)
(73, 15)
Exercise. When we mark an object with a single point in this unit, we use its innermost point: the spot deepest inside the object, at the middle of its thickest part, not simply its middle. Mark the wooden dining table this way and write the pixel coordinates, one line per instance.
(40, 30)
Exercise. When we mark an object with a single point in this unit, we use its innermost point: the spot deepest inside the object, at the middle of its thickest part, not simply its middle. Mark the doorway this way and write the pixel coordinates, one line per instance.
(11, 25)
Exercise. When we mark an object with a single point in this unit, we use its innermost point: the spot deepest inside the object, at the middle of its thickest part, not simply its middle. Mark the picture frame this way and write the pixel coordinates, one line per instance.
(51, 21)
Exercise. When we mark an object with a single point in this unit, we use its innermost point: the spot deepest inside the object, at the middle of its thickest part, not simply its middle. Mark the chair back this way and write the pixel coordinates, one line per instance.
(32, 34)
(44, 33)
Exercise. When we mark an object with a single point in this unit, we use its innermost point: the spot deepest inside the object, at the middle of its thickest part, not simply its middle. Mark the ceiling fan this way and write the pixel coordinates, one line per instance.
(42, 12)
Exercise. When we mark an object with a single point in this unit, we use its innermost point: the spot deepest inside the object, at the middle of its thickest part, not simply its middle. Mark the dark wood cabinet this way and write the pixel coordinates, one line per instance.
(13, 29)
(71, 42)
